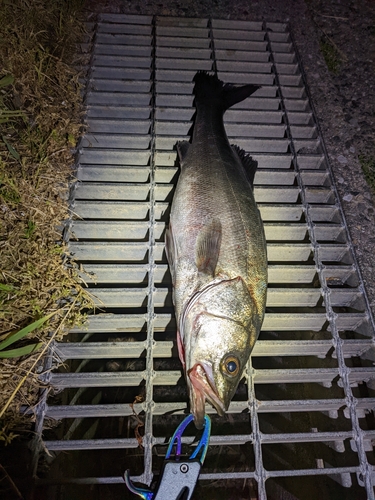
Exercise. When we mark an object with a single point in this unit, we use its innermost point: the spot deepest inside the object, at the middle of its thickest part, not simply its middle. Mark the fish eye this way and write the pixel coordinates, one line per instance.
(231, 366)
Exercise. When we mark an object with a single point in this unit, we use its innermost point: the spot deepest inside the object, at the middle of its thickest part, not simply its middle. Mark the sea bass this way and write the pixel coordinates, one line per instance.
(216, 250)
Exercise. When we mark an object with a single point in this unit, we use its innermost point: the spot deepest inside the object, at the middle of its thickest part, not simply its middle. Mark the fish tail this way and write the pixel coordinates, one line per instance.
(208, 88)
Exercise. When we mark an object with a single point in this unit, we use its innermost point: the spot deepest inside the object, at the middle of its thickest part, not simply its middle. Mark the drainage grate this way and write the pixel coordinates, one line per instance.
(302, 419)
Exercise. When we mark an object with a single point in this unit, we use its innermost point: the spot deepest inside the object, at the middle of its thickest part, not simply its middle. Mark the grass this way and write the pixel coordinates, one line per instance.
(40, 121)
(368, 167)
(334, 57)
(331, 55)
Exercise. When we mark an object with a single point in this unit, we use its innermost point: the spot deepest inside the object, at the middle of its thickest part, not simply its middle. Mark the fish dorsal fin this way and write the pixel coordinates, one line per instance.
(207, 247)
(182, 150)
(248, 163)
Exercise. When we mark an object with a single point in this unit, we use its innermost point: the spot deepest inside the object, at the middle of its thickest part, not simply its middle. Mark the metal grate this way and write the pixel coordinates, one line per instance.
(304, 408)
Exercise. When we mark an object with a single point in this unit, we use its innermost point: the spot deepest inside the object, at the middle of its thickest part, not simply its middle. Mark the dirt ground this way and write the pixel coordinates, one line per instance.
(344, 100)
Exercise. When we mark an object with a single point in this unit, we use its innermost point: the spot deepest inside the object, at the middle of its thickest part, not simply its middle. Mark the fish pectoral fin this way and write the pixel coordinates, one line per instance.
(181, 349)
(182, 150)
(207, 247)
(170, 252)
(248, 163)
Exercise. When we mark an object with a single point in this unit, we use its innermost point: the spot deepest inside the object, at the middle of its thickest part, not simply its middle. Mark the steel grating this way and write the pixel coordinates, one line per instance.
(304, 408)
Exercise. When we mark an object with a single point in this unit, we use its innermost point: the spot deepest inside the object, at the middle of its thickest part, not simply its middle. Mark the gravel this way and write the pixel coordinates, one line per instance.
(344, 101)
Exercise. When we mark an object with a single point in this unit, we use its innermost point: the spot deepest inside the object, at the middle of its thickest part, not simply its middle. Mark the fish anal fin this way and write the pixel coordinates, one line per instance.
(207, 247)
(182, 150)
(170, 252)
(249, 164)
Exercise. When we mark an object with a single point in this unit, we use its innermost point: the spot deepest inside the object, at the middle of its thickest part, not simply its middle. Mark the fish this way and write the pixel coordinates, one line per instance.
(216, 251)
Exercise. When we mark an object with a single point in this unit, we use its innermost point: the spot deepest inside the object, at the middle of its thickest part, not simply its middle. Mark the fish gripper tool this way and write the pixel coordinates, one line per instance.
(178, 477)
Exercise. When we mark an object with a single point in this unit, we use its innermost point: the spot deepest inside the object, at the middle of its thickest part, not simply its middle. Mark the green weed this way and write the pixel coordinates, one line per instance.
(368, 167)
(14, 337)
(9, 192)
(7, 114)
(30, 229)
(330, 54)
(6, 435)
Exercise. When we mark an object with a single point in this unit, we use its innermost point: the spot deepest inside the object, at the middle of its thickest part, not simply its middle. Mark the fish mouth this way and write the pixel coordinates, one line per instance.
(203, 387)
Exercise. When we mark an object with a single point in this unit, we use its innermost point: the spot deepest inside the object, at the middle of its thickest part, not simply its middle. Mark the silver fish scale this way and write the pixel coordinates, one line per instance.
(303, 408)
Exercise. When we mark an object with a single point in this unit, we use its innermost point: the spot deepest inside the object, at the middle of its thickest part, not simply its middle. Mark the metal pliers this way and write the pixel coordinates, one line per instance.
(178, 477)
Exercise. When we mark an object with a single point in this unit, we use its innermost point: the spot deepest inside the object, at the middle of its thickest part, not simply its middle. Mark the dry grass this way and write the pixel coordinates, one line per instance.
(40, 122)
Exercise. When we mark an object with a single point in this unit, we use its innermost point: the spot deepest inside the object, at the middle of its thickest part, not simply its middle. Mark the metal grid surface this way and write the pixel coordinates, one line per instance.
(304, 408)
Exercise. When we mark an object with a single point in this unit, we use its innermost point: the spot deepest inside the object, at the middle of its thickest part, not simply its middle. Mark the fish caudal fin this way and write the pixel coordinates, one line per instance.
(210, 88)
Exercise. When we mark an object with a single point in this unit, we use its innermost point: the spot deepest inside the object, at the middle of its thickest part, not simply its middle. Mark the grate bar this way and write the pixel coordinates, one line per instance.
(276, 297)
(122, 350)
(134, 251)
(180, 408)
(102, 323)
(120, 410)
(216, 476)
(274, 376)
(232, 440)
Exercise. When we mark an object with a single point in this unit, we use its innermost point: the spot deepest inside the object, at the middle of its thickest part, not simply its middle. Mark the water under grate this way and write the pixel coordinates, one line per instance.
(302, 419)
